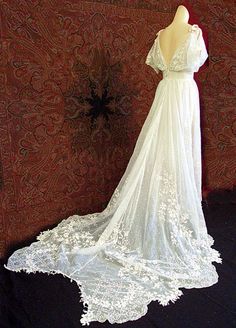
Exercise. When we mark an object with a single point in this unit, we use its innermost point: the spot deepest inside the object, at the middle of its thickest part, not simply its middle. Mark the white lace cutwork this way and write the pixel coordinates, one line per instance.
(151, 239)
(189, 55)
(138, 279)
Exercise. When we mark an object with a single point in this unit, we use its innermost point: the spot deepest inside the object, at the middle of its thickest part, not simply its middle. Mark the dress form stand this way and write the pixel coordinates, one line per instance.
(174, 33)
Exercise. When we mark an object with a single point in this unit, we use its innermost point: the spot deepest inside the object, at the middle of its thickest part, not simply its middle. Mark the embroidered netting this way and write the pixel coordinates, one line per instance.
(151, 239)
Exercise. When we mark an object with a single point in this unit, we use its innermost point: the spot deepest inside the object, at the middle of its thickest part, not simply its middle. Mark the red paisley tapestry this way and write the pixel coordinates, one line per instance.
(75, 92)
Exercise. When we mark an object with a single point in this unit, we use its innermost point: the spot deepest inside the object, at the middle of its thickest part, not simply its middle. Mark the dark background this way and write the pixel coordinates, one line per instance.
(74, 94)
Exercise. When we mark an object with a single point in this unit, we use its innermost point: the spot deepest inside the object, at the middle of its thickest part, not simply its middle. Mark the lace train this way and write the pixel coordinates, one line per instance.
(121, 277)
(152, 239)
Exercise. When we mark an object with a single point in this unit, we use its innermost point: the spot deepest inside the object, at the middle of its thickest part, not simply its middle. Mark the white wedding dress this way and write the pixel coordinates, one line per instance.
(151, 239)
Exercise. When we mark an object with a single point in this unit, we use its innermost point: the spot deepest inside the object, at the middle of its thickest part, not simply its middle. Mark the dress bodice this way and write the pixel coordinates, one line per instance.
(189, 56)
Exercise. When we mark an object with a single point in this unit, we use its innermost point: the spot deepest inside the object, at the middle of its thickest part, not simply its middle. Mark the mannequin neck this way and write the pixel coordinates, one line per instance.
(181, 15)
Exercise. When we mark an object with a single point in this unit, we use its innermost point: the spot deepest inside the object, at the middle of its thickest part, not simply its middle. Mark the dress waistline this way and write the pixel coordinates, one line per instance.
(175, 75)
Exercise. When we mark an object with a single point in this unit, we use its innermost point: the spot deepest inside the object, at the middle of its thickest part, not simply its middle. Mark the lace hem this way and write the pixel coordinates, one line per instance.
(138, 282)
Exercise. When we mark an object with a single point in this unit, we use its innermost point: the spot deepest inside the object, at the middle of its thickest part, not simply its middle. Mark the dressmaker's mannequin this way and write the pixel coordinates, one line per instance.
(172, 36)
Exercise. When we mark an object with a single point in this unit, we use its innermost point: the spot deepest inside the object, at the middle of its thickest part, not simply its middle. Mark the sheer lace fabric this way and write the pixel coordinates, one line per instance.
(189, 56)
(151, 239)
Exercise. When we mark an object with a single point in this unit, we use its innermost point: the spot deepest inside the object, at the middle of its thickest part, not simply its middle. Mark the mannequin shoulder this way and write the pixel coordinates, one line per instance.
(159, 31)
(196, 30)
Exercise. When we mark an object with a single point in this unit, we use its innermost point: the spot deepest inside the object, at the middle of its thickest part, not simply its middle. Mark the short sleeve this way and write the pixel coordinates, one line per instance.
(152, 57)
(203, 55)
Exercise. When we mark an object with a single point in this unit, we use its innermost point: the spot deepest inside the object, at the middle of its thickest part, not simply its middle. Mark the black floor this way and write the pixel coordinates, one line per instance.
(52, 301)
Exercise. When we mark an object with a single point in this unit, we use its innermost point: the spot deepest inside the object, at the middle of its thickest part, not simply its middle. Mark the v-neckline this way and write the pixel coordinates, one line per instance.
(181, 43)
